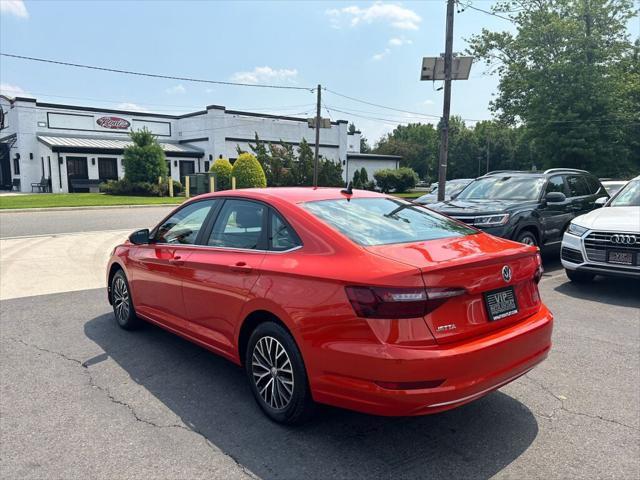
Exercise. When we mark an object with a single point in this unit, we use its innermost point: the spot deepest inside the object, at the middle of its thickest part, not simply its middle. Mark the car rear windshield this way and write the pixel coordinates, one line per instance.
(503, 188)
(629, 196)
(380, 221)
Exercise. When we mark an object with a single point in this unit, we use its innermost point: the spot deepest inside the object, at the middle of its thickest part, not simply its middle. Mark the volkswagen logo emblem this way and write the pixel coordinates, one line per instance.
(621, 239)
(506, 273)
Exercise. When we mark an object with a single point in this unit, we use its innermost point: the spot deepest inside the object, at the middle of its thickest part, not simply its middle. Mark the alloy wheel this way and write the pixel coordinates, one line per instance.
(272, 372)
(121, 303)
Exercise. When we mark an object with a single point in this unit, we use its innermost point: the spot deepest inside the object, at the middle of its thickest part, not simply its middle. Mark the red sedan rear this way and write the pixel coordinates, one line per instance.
(362, 301)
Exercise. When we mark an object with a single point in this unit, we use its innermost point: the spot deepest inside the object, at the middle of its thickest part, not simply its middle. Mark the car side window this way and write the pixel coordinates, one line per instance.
(183, 226)
(577, 186)
(556, 184)
(282, 235)
(240, 224)
(593, 183)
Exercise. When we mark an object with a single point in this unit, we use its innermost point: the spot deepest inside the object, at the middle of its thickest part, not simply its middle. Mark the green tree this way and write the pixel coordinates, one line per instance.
(416, 143)
(569, 74)
(329, 173)
(222, 169)
(248, 172)
(302, 169)
(144, 160)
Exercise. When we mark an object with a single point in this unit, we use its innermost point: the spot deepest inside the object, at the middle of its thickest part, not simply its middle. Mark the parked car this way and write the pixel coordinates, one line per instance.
(605, 241)
(528, 207)
(452, 188)
(358, 300)
(612, 186)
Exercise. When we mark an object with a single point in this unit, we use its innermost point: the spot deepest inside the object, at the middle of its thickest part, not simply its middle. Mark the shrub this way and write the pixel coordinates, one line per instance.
(364, 177)
(384, 179)
(248, 172)
(144, 161)
(399, 180)
(405, 179)
(222, 169)
(125, 187)
(356, 179)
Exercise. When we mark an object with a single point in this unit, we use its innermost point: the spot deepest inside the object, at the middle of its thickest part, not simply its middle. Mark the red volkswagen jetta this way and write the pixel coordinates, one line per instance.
(362, 301)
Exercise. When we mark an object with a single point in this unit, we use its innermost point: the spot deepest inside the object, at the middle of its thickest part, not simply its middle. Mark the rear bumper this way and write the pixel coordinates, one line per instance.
(469, 370)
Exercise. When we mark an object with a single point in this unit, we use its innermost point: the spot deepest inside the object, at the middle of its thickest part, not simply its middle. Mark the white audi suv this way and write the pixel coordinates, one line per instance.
(605, 241)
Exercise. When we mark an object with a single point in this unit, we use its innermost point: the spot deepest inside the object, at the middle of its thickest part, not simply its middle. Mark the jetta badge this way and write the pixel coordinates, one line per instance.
(506, 273)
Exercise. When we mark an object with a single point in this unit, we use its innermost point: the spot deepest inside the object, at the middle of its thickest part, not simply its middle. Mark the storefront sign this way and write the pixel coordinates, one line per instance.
(113, 123)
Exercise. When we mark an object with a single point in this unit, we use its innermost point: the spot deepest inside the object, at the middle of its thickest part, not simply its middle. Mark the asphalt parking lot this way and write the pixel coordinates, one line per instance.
(80, 398)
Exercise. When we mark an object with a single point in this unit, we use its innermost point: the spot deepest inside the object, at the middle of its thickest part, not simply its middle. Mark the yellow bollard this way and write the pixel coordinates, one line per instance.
(212, 184)
(186, 187)
(170, 180)
(233, 183)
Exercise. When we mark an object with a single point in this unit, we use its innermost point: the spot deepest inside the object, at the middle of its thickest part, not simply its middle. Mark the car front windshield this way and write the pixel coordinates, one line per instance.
(629, 196)
(380, 221)
(503, 188)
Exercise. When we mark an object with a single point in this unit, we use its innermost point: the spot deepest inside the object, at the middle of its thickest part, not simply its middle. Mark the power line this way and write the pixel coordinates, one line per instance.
(380, 106)
(493, 14)
(154, 75)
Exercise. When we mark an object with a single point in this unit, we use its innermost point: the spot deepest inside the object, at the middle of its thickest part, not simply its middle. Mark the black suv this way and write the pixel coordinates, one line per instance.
(530, 207)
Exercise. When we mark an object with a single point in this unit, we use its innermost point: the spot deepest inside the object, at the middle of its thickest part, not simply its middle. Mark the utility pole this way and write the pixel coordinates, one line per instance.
(318, 120)
(444, 139)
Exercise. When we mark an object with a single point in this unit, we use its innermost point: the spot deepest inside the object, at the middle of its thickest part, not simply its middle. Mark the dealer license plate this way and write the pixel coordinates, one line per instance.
(621, 258)
(501, 303)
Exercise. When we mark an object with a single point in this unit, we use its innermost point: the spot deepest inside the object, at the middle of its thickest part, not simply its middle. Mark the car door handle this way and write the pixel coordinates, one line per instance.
(176, 261)
(241, 267)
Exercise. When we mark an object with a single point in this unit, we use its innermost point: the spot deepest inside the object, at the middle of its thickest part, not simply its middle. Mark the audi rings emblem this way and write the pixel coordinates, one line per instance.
(624, 239)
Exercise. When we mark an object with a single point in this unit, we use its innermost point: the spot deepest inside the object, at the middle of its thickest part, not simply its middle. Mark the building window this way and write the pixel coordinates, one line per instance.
(107, 169)
(16, 166)
(169, 167)
(206, 165)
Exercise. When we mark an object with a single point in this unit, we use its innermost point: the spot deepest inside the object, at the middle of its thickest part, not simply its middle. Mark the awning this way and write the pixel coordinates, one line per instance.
(94, 145)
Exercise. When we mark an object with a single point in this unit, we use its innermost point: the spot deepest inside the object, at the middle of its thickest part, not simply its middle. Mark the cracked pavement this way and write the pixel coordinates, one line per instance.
(81, 398)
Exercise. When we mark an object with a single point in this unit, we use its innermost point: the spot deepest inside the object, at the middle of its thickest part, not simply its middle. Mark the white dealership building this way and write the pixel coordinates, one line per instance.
(67, 148)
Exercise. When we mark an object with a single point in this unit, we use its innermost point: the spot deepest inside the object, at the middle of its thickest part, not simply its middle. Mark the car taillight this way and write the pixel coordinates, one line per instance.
(537, 276)
(390, 302)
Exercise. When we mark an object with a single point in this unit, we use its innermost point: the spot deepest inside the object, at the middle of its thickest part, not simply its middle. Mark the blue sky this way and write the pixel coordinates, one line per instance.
(368, 50)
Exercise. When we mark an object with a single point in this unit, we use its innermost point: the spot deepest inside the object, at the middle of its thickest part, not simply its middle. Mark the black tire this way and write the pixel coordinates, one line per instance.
(527, 237)
(122, 304)
(579, 277)
(280, 386)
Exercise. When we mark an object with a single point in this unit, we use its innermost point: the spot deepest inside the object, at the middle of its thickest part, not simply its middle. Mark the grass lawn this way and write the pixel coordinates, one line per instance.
(47, 200)
(409, 195)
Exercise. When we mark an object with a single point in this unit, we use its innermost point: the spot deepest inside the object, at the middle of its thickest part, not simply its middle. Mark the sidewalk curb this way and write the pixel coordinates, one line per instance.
(93, 207)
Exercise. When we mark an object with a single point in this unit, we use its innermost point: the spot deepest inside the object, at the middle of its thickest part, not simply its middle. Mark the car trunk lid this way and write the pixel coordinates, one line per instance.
(475, 264)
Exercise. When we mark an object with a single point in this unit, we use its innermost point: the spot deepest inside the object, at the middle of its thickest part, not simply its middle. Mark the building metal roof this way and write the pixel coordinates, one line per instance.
(372, 156)
(111, 145)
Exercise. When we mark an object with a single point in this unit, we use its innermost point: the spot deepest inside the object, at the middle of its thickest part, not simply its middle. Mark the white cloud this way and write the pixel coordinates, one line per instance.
(379, 56)
(265, 75)
(428, 102)
(176, 90)
(398, 42)
(131, 106)
(13, 90)
(14, 7)
(390, 13)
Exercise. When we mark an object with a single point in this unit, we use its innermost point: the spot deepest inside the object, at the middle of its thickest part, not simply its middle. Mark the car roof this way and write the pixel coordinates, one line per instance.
(292, 194)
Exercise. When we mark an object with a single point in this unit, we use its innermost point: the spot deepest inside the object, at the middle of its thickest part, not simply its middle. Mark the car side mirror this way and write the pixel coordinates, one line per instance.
(601, 201)
(555, 197)
(140, 237)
